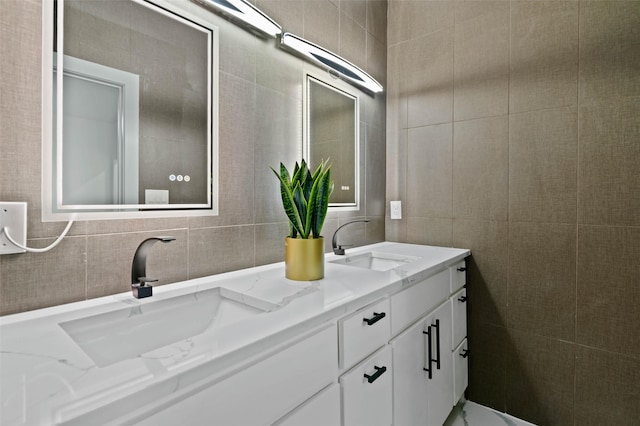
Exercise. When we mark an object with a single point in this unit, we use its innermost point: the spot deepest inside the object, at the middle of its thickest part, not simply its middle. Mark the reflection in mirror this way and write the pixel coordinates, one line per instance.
(331, 129)
(133, 115)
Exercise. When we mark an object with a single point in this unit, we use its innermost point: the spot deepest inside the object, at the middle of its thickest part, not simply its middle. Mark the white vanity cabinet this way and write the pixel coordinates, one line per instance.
(429, 357)
(321, 410)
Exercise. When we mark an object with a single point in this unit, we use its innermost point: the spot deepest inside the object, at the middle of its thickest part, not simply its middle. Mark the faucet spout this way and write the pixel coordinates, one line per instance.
(139, 278)
(338, 249)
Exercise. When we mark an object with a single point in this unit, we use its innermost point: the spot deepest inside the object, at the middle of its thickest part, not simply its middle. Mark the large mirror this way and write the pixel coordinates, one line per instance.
(331, 131)
(130, 122)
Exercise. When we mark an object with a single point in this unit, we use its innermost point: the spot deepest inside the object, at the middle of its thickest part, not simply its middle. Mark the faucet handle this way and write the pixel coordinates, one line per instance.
(141, 289)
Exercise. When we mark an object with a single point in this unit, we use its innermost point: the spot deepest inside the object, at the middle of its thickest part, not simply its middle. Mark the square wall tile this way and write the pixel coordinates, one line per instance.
(540, 379)
(428, 78)
(487, 365)
(353, 41)
(429, 231)
(608, 178)
(395, 230)
(39, 280)
(377, 19)
(357, 9)
(609, 54)
(375, 171)
(544, 55)
(542, 279)
(608, 314)
(543, 165)
(217, 250)
(396, 167)
(288, 13)
(270, 242)
(408, 19)
(481, 168)
(487, 268)
(481, 71)
(322, 24)
(607, 388)
(429, 165)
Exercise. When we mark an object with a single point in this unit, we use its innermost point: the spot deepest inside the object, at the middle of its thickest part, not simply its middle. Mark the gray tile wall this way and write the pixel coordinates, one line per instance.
(260, 125)
(513, 129)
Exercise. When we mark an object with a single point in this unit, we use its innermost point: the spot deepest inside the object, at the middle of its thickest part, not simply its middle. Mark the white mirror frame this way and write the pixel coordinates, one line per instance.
(120, 211)
(338, 85)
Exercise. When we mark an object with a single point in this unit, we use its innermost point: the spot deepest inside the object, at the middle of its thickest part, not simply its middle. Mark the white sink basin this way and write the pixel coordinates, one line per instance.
(129, 332)
(376, 261)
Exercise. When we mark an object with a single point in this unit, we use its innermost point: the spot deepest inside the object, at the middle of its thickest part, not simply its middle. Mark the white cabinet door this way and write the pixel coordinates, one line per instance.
(410, 380)
(459, 309)
(460, 370)
(441, 382)
(321, 410)
(423, 371)
(367, 391)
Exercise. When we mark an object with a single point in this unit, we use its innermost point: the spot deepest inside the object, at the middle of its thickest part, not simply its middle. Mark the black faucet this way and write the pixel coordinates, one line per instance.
(334, 241)
(139, 278)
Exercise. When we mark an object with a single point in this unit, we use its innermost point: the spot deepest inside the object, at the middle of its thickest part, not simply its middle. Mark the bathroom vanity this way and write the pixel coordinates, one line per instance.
(380, 340)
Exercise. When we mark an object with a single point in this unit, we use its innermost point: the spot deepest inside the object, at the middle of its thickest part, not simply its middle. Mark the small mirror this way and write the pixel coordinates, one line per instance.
(331, 131)
(133, 113)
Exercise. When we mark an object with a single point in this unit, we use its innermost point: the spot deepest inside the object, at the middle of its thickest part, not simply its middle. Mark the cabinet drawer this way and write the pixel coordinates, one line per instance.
(363, 332)
(458, 275)
(460, 370)
(262, 392)
(459, 310)
(414, 302)
(367, 391)
(321, 410)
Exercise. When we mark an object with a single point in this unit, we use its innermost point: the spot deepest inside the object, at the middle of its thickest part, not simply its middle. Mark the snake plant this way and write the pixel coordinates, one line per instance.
(305, 197)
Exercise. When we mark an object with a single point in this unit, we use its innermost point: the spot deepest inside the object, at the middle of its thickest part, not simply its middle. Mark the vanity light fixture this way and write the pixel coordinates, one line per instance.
(245, 13)
(318, 55)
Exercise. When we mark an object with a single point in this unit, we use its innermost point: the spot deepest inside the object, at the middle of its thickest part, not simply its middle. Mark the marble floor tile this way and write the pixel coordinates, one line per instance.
(471, 414)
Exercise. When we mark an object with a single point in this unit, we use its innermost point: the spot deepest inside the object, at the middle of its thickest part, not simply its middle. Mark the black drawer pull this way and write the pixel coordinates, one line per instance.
(428, 369)
(462, 298)
(373, 377)
(462, 269)
(376, 317)
(465, 353)
(437, 326)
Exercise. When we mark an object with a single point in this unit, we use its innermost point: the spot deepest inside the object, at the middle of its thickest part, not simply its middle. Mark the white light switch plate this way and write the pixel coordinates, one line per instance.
(396, 210)
(13, 216)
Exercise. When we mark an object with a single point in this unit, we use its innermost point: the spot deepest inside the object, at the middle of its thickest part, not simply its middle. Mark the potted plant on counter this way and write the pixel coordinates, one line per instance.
(305, 198)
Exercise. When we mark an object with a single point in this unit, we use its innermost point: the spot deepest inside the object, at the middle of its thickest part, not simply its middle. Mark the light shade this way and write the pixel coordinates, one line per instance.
(345, 69)
(245, 13)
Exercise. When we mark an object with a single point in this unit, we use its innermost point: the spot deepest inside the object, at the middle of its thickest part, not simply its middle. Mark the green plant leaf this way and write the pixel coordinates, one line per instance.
(301, 204)
(321, 201)
(288, 201)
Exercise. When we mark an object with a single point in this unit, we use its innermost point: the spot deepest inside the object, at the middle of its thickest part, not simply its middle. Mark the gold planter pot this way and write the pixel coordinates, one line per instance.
(304, 258)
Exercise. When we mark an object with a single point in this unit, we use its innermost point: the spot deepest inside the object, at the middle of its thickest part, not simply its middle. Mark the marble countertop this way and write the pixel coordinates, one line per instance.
(47, 378)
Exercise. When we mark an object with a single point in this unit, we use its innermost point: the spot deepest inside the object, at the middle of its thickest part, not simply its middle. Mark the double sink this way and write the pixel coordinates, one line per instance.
(133, 331)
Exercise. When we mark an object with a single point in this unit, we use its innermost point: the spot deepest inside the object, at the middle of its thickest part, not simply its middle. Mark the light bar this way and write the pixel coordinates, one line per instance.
(245, 13)
(345, 69)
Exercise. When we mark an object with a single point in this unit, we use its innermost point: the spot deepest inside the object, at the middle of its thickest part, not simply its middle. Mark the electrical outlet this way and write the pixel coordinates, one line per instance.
(396, 210)
(13, 217)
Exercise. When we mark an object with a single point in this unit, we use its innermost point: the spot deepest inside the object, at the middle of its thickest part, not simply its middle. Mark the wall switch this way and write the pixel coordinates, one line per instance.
(396, 210)
(13, 216)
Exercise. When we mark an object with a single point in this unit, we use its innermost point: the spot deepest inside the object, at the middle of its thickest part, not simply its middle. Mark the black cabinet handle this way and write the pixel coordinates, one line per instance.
(376, 317)
(373, 377)
(437, 326)
(462, 269)
(428, 369)
(465, 353)
(462, 298)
